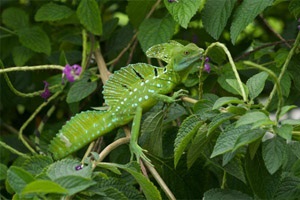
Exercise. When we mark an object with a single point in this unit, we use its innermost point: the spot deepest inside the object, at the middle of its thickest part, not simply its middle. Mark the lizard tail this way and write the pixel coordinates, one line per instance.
(79, 131)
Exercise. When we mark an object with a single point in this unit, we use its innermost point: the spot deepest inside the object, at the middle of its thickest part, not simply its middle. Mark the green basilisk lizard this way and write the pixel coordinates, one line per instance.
(129, 92)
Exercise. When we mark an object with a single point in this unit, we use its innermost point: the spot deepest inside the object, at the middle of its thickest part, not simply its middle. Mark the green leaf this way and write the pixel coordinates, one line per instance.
(286, 109)
(256, 84)
(152, 133)
(235, 85)
(288, 188)
(52, 12)
(3, 171)
(155, 31)
(285, 84)
(245, 14)
(215, 16)
(251, 117)
(21, 55)
(198, 144)
(295, 147)
(225, 194)
(89, 15)
(235, 167)
(218, 120)
(294, 8)
(15, 18)
(81, 89)
(227, 139)
(291, 121)
(273, 152)
(226, 100)
(137, 11)
(285, 131)
(66, 167)
(149, 189)
(183, 11)
(36, 164)
(18, 178)
(35, 39)
(186, 132)
(248, 137)
(43, 186)
(74, 184)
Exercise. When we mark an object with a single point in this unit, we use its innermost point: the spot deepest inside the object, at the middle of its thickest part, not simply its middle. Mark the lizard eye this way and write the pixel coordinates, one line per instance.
(186, 53)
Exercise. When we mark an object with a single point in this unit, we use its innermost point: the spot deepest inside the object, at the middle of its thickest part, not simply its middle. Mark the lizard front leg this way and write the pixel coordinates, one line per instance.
(135, 149)
(173, 98)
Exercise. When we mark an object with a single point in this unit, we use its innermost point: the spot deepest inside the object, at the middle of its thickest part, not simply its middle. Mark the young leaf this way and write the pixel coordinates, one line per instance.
(185, 134)
(273, 152)
(218, 120)
(225, 194)
(245, 14)
(285, 131)
(248, 137)
(155, 31)
(15, 18)
(215, 15)
(89, 15)
(251, 117)
(18, 178)
(183, 11)
(256, 84)
(227, 139)
(52, 12)
(43, 186)
(35, 39)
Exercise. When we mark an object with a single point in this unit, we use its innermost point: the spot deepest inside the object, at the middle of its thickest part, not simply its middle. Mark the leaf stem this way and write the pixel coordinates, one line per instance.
(7, 30)
(232, 65)
(283, 70)
(31, 68)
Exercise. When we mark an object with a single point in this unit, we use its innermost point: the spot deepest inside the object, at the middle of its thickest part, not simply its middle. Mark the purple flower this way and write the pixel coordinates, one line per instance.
(206, 67)
(299, 27)
(171, 1)
(207, 59)
(46, 94)
(72, 73)
(78, 167)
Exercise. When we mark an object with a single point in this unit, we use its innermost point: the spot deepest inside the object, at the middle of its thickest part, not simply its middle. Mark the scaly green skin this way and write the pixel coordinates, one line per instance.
(134, 88)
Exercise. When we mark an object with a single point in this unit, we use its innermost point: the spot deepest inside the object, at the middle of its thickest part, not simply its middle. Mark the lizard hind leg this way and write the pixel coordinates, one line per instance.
(135, 149)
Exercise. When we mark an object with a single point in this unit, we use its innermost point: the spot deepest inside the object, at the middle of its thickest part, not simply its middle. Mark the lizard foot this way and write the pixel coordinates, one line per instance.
(138, 152)
(179, 93)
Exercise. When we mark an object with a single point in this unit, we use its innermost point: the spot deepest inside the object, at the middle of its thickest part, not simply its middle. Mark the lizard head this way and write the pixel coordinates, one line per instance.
(183, 58)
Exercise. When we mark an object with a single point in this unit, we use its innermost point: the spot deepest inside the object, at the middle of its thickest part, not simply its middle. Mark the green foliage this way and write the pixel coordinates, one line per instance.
(217, 143)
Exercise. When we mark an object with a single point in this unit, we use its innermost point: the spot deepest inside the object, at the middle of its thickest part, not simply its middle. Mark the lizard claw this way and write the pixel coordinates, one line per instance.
(138, 152)
(179, 93)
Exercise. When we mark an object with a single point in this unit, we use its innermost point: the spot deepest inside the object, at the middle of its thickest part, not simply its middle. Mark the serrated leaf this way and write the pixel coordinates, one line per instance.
(251, 117)
(52, 12)
(149, 189)
(244, 14)
(186, 132)
(18, 178)
(43, 186)
(288, 188)
(137, 11)
(285, 131)
(273, 152)
(295, 147)
(15, 18)
(155, 31)
(3, 171)
(74, 184)
(183, 11)
(66, 167)
(225, 194)
(256, 84)
(248, 137)
(89, 15)
(196, 148)
(235, 168)
(227, 140)
(218, 120)
(35, 39)
(226, 100)
(81, 89)
(36, 164)
(215, 15)
(152, 133)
